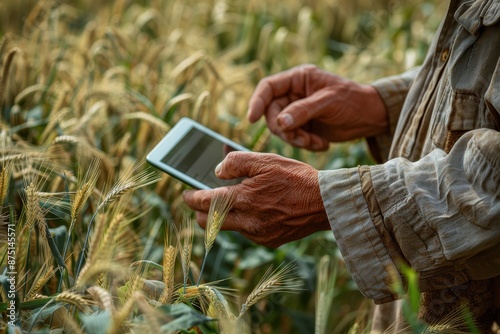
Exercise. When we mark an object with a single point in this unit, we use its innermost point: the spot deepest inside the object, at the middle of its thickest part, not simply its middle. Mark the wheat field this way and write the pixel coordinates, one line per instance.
(93, 240)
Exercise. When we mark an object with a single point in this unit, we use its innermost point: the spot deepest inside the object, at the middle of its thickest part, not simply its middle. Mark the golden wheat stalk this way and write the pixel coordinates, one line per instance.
(92, 270)
(187, 63)
(169, 254)
(103, 297)
(186, 237)
(122, 314)
(453, 323)
(127, 185)
(74, 299)
(327, 275)
(86, 190)
(57, 114)
(217, 213)
(154, 121)
(105, 249)
(5, 71)
(149, 313)
(95, 241)
(280, 280)
(68, 323)
(5, 176)
(168, 276)
(28, 91)
(41, 278)
(218, 306)
(31, 205)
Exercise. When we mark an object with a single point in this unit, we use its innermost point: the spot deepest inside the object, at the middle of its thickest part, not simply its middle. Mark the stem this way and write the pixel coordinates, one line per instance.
(202, 266)
(65, 251)
(85, 245)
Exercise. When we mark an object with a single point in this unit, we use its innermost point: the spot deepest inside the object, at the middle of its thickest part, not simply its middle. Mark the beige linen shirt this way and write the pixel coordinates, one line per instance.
(434, 201)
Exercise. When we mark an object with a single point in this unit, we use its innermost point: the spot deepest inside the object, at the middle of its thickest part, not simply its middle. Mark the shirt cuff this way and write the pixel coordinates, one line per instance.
(358, 240)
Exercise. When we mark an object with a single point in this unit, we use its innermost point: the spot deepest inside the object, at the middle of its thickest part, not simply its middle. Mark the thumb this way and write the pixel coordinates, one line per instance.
(300, 112)
(242, 164)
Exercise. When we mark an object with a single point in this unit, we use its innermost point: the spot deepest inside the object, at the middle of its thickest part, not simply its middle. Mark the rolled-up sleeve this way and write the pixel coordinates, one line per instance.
(393, 91)
(440, 215)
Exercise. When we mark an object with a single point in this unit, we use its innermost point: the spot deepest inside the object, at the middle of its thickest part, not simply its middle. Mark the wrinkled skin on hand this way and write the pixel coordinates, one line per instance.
(309, 108)
(278, 202)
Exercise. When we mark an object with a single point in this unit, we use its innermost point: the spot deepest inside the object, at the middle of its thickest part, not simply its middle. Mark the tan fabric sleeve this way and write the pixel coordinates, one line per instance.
(440, 214)
(393, 92)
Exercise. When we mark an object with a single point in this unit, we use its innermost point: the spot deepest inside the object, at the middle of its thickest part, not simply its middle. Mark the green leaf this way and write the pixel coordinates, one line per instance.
(96, 323)
(184, 317)
(255, 257)
(40, 315)
(53, 248)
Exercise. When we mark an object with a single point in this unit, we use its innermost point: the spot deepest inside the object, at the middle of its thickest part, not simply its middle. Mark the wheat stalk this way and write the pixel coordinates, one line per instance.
(121, 315)
(69, 325)
(91, 270)
(103, 297)
(217, 304)
(186, 246)
(148, 311)
(187, 63)
(73, 299)
(32, 206)
(106, 247)
(42, 277)
(155, 121)
(123, 186)
(5, 175)
(168, 275)
(217, 213)
(87, 188)
(325, 292)
(279, 280)
(203, 98)
(5, 71)
(31, 90)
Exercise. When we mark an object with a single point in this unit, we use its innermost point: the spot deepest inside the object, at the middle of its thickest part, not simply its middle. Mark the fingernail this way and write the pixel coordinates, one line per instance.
(218, 168)
(285, 120)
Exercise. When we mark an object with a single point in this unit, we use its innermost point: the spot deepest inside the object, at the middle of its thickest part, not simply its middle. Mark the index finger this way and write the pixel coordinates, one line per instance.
(268, 89)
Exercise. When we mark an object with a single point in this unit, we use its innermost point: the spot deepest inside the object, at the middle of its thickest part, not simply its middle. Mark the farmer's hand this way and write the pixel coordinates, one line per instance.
(278, 202)
(308, 107)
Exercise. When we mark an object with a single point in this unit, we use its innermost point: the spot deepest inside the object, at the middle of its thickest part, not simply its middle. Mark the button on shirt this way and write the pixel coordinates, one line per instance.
(433, 202)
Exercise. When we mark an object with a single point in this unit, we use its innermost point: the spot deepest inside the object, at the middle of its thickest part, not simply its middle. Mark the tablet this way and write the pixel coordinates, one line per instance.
(190, 152)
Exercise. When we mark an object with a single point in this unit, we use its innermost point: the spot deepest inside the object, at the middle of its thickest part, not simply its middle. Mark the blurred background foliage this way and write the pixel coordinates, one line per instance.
(109, 78)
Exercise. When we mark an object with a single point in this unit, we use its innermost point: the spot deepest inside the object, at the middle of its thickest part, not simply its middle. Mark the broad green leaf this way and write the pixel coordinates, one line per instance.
(255, 257)
(96, 323)
(183, 316)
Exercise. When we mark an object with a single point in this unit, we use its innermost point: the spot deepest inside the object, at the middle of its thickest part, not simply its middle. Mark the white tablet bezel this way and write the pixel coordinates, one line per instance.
(170, 141)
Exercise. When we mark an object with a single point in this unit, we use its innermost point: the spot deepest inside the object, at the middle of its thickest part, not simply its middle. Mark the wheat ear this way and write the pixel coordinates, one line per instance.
(279, 280)
(42, 277)
(168, 274)
(217, 213)
(186, 237)
(5, 71)
(5, 175)
(327, 276)
(124, 185)
(217, 304)
(73, 299)
(103, 297)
